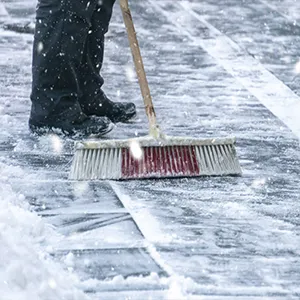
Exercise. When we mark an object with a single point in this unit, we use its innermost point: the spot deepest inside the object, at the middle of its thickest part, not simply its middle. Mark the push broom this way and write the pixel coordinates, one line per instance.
(156, 155)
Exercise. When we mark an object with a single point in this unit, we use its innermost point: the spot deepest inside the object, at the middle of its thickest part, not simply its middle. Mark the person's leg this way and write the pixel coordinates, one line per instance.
(62, 28)
(91, 80)
(93, 100)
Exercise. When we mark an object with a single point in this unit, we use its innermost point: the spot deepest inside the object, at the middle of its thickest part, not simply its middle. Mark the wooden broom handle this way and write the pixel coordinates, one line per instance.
(138, 61)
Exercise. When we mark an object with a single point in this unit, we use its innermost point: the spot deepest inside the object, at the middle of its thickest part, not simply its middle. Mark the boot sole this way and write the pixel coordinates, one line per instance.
(46, 130)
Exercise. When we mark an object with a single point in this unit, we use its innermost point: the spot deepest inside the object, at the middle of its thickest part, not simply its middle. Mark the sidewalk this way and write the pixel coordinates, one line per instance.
(211, 68)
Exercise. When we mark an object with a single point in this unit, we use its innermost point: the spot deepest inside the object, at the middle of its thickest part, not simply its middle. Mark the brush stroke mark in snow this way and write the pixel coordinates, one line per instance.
(243, 67)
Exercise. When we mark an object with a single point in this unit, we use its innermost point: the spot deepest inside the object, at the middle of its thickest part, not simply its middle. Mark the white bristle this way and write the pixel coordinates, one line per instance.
(107, 163)
(96, 164)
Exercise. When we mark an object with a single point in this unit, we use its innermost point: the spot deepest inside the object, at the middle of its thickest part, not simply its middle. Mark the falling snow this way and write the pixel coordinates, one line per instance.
(215, 69)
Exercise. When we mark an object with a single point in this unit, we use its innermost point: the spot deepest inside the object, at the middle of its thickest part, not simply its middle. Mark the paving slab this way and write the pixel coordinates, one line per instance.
(214, 69)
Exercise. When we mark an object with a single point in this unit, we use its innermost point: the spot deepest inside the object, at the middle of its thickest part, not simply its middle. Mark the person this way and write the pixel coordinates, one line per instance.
(68, 52)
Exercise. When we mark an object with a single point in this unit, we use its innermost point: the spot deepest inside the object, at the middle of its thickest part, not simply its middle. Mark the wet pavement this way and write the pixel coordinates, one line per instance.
(214, 69)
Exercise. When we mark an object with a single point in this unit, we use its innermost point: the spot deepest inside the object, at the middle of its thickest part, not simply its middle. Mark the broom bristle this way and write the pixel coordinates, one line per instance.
(155, 162)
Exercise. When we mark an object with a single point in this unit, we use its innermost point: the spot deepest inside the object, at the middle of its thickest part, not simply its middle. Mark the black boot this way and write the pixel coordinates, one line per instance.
(82, 127)
(115, 111)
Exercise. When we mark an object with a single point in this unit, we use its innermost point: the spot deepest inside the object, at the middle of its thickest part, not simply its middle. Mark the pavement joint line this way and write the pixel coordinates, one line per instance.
(138, 214)
(108, 247)
(138, 218)
(144, 241)
(86, 213)
(248, 71)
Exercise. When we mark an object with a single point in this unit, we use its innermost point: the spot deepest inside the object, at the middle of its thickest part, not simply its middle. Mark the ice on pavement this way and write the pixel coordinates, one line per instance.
(208, 66)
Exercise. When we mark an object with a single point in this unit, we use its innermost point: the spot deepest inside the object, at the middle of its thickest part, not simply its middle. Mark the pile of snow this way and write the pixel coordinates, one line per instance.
(27, 270)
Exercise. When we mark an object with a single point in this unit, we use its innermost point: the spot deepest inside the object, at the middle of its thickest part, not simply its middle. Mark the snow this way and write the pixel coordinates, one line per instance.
(213, 71)
(27, 271)
(3, 11)
(250, 73)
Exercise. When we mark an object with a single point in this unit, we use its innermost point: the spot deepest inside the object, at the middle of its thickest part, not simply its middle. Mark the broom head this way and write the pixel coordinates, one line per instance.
(151, 158)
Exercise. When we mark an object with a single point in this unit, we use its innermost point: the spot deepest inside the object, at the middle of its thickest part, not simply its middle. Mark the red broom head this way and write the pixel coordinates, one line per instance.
(159, 162)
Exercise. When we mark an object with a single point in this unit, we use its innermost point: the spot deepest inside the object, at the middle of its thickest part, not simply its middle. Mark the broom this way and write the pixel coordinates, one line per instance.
(156, 155)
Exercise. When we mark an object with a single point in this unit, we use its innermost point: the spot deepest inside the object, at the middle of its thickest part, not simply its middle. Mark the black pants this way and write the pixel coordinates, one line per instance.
(67, 56)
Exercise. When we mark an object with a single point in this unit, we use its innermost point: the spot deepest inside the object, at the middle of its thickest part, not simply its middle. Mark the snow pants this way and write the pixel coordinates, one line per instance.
(67, 56)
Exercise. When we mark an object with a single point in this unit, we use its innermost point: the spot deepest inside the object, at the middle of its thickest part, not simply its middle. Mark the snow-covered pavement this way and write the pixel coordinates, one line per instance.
(215, 68)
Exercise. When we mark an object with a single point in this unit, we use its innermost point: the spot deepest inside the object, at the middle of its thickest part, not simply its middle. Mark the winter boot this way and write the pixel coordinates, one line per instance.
(115, 111)
(82, 127)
